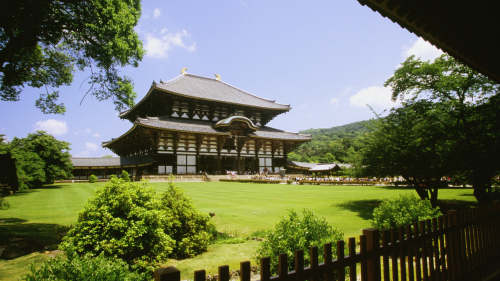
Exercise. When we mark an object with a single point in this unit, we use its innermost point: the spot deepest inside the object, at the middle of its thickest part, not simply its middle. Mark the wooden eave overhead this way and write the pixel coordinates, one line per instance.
(467, 30)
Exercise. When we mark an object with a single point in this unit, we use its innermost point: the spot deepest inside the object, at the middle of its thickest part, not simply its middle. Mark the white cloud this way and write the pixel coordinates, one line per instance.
(159, 46)
(53, 127)
(304, 105)
(96, 135)
(156, 13)
(91, 146)
(374, 96)
(335, 101)
(422, 49)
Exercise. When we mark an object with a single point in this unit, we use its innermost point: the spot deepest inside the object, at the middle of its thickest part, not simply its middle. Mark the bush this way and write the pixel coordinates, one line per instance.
(294, 233)
(406, 209)
(190, 228)
(134, 223)
(92, 179)
(125, 220)
(125, 177)
(73, 267)
(4, 204)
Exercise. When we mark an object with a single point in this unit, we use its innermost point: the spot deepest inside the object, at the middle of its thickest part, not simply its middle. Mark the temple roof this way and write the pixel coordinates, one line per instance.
(467, 30)
(110, 162)
(209, 89)
(206, 127)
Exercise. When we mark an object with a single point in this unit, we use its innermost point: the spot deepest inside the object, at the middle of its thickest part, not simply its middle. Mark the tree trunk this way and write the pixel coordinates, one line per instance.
(481, 181)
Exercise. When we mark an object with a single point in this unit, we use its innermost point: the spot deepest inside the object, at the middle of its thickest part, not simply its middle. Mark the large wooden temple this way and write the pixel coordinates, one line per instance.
(194, 124)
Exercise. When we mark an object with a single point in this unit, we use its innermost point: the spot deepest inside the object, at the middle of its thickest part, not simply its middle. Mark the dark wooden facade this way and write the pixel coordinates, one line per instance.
(206, 126)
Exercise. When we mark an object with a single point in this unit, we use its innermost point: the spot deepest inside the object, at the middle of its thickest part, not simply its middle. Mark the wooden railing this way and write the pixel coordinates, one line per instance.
(458, 246)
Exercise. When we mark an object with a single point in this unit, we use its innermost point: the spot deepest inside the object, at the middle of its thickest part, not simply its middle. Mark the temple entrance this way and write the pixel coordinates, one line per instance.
(228, 163)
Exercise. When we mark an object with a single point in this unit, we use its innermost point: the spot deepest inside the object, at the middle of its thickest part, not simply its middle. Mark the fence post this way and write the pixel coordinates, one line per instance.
(373, 248)
(244, 271)
(167, 274)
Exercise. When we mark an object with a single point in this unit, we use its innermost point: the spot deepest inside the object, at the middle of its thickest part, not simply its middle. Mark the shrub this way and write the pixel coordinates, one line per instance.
(125, 177)
(92, 179)
(132, 222)
(125, 220)
(74, 267)
(406, 209)
(294, 233)
(4, 204)
(190, 228)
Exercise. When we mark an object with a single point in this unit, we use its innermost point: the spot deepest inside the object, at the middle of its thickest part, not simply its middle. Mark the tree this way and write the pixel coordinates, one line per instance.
(413, 142)
(41, 43)
(40, 158)
(470, 100)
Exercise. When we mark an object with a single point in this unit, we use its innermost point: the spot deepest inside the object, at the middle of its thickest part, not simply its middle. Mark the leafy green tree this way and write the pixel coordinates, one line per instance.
(54, 153)
(471, 101)
(40, 158)
(413, 142)
(43, 42)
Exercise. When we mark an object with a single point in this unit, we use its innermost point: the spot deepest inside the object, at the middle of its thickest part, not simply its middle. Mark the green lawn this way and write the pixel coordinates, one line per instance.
(38, 217)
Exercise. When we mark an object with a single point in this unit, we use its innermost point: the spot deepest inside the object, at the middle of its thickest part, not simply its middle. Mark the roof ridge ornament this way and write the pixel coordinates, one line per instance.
(218, 77)
(183, 70)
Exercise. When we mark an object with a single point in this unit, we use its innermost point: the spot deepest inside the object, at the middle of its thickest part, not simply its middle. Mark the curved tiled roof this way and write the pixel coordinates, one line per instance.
(215, 90)
(209, 89)
(110, 162)
(206, 127)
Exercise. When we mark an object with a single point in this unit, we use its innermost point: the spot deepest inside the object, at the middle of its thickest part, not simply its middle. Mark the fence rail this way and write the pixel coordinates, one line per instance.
(457, 246)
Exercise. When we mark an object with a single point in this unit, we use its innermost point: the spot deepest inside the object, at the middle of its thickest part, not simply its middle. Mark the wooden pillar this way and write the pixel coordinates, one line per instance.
(167, 274)
(373, 247)
(105, 172)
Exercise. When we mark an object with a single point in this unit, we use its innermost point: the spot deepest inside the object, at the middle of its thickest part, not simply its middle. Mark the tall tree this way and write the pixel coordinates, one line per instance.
(43, 41)
(40, 158)
(412, 142)
(470, 99)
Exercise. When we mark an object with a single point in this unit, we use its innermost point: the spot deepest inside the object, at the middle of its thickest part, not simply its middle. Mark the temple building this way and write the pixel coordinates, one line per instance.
(193, 125)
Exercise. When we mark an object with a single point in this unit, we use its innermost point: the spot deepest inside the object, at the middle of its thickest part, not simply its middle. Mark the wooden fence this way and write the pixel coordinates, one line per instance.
(457, 246)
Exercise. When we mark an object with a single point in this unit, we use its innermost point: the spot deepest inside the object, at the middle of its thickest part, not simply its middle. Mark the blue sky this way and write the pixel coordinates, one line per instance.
(328, 59)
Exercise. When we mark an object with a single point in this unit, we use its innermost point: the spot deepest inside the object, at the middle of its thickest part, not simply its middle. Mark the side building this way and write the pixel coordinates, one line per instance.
(193, 125)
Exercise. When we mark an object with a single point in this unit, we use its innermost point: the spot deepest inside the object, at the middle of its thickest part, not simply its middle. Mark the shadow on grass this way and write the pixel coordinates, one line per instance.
(52, 186)
(22, 238)
(459, 205)
(364, 208)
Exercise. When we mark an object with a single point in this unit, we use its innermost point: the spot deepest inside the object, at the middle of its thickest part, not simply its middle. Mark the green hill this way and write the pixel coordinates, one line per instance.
(336, 144)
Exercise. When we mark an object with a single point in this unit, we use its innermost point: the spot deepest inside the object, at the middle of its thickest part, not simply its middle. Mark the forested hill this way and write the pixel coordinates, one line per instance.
(336, 144)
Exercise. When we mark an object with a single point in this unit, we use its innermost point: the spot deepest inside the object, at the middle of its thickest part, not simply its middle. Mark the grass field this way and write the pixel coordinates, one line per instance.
(37, 218)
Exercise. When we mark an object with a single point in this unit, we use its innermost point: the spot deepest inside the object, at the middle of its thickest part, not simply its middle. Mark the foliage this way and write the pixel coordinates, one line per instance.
(125, 176)
(87, 267)
(294, 233)
(470, 102)
(406, 209)
(336, 144)
(190, 228)
(413, 141)
(125, 220)
(40, 158)
(92, 178)
(132, 222)
(4, 204)
(42, 42)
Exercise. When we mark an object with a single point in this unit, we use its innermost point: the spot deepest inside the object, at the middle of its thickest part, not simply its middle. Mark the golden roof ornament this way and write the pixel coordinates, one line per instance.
(183, 70)
(218, 77)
